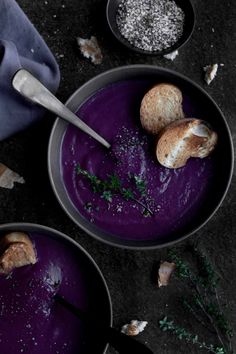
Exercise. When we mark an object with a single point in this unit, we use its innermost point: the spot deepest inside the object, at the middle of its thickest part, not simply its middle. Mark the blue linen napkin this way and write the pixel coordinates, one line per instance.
(21, 46)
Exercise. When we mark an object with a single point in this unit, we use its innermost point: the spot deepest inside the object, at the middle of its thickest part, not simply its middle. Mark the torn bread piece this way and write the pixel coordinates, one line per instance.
(16, 250)
(134, 328)
(171, 56)
(164, 273)
(183, 139)
(9, 177)
(90, 49)
(160, 106)
(210, 72)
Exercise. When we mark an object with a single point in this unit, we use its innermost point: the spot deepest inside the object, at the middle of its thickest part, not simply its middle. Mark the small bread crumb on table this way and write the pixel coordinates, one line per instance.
(134, 328)
(8, 177)
(171, 56)
(90, 49)
(210, 72)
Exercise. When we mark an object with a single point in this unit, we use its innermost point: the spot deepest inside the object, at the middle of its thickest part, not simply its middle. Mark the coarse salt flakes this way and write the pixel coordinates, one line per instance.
(150, 25)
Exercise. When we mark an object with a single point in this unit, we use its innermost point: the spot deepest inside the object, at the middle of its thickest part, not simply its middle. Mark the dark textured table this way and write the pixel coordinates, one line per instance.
(128, 273)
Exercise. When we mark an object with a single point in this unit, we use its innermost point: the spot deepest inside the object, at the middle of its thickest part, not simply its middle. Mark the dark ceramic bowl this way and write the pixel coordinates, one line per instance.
(221, 178)
(40, 325)
(185, 5)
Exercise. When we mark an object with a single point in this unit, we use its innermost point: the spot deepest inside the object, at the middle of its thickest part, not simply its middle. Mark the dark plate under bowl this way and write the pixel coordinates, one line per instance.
(216, 189)
(185, 5)
(27, 307)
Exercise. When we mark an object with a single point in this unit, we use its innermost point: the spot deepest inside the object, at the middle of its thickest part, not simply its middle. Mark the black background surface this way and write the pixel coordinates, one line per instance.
(128, 273)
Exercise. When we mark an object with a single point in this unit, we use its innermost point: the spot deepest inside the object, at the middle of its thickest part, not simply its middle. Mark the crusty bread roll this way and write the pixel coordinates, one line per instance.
(160, 106)
(183, 139)
(16, 251)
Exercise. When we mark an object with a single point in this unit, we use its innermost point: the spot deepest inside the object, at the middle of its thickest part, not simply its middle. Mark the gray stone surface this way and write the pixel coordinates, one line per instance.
(128, 273)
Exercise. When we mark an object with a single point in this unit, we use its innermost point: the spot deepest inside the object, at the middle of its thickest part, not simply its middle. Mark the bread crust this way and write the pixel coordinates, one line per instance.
(160, 106)
(183, 139)
(16, 251)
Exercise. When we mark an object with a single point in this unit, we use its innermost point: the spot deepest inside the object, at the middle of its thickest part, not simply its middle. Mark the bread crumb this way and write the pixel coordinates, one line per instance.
(211, 71)
(90, 49)
(16, 250)
(172, 55)
(165, 271)
(134, 328)
(8, 177)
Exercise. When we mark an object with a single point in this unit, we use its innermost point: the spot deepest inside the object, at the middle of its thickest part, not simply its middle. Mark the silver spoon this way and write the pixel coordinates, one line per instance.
(29, 87)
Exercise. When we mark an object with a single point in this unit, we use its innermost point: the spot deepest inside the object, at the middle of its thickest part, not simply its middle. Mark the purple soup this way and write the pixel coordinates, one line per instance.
(173, 197)
(30, 319)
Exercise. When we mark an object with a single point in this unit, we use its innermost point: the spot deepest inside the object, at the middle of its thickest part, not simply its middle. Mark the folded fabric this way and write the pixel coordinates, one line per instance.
(21, 47)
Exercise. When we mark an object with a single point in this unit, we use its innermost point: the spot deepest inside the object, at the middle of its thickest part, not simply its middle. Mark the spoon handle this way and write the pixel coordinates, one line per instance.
(119, 341)
(29, 87)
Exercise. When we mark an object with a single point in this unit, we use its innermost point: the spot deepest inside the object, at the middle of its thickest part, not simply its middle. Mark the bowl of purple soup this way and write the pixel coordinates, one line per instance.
(31, 321)
(123, 196)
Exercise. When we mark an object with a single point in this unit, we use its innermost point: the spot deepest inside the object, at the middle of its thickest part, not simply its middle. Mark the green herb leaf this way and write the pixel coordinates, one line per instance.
(141, 185)
(115, 182)
(107, 195)
(127, 193)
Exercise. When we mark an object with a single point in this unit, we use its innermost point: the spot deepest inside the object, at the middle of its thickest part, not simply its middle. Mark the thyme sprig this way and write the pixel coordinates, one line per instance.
(167, 325)
(204, 302)
(113, 185)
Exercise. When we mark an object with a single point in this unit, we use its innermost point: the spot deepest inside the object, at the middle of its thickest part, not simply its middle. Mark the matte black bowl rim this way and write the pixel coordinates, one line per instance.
(169, 50)
(19, 226)
(186, 235)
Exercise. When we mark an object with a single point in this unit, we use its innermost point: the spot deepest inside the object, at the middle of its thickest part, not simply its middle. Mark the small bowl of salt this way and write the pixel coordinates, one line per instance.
(156, 27)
